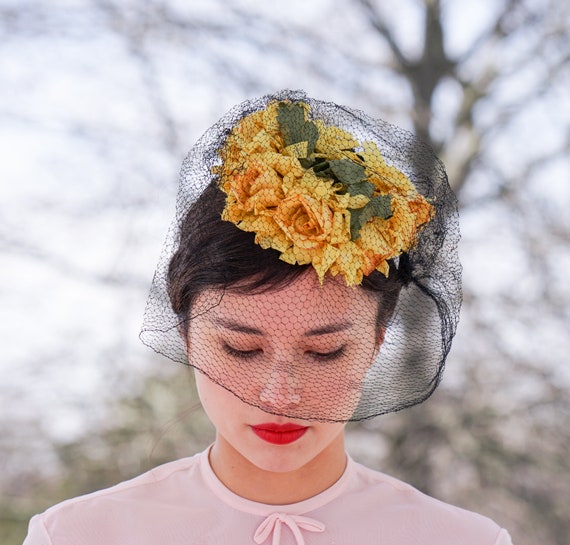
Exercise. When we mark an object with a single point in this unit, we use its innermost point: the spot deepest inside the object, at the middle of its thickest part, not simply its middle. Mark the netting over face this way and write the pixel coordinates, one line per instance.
(331, 288)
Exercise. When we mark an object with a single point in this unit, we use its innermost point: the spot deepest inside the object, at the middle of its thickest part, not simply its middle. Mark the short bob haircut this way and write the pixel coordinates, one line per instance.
(215, 254)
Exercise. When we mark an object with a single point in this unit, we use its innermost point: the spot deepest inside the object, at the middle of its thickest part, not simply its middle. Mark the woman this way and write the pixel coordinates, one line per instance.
(310, 278)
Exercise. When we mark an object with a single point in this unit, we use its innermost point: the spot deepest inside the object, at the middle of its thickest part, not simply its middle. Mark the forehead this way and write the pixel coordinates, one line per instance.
(302, 305)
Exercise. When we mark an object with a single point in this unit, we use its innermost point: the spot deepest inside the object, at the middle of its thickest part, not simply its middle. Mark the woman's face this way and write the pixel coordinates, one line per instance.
(295, 355)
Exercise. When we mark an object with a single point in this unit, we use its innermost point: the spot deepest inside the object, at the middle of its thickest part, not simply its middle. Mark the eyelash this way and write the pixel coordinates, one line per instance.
(328, 356)
(249, 354)
(241, 354)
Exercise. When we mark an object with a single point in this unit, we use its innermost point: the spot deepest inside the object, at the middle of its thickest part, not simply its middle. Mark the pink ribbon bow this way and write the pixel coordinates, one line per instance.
(296, 523)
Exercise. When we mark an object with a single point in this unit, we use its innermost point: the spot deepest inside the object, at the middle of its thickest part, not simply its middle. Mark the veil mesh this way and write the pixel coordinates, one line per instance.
(272, 332)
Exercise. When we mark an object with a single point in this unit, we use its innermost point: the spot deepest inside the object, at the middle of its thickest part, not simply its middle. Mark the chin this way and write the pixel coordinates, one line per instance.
(278, 462)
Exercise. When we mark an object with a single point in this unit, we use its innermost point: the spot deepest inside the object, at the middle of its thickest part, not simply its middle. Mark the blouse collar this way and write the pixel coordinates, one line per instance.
(262, 509)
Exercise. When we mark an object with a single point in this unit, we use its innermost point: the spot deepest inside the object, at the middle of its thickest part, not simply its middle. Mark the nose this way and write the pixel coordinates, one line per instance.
(281, 390)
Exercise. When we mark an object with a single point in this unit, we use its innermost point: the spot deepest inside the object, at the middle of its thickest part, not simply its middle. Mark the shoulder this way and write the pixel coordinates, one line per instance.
(163, 476)
(125, 507)
(404, 509)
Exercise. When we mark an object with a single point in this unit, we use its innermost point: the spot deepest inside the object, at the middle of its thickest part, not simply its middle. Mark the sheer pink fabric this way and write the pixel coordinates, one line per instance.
(183, 503)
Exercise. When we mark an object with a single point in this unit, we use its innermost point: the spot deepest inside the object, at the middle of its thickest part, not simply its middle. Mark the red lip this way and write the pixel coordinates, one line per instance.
(279, 434)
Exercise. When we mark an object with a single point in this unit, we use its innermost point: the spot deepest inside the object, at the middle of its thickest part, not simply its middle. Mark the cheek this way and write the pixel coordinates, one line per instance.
(364, 355)
(203, 387)
(217, 402)
(206, 355)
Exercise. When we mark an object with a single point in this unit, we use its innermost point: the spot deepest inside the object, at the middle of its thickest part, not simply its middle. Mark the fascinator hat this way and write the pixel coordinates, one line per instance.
(284, 186)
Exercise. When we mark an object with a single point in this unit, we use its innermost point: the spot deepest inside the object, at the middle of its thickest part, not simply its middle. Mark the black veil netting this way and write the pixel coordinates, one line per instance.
(224, 278)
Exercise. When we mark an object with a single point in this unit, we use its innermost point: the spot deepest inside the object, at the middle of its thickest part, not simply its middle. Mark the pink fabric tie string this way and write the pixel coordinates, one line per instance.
(273, 523)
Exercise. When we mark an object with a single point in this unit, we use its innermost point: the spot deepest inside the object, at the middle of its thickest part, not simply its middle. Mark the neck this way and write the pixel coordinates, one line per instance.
(247, 480)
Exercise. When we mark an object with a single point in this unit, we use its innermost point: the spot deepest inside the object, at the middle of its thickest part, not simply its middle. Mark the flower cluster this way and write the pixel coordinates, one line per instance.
(316, 194)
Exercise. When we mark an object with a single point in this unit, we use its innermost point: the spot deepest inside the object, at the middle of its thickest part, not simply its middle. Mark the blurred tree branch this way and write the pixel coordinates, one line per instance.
(501, 452)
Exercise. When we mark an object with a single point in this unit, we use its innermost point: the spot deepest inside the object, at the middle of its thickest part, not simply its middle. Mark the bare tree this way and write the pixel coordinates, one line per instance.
(484, 83)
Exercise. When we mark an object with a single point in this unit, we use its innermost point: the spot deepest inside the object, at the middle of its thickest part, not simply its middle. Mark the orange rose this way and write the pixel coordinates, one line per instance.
(306, 221)
(256, 188)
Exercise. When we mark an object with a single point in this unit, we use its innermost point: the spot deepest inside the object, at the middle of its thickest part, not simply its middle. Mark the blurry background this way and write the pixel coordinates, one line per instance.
(99, 102)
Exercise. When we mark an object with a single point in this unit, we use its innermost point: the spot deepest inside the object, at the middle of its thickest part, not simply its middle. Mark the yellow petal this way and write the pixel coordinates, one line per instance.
(289, 257)
(358, 201)
(328, 256)
(302, 255)
(340, 231)
(384, 268)
(300, 149)
(333, 140)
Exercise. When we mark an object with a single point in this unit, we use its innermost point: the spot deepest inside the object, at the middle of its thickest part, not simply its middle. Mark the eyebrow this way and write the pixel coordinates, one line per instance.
(242, 328)
(331, 328)
(236, 326)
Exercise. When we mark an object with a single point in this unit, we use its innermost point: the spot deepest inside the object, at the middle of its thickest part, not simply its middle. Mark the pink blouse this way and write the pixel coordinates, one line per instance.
(184, 503)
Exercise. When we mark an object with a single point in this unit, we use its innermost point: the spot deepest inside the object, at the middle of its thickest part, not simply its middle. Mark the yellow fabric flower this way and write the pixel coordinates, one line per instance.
(311, 191)
(333, 141)
(306, 221)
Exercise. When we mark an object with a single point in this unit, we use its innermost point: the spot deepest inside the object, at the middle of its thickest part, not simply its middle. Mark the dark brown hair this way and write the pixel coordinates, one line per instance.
(215, 254)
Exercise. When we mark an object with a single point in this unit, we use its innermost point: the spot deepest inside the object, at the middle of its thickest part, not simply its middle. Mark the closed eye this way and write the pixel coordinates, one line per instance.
(327, 356)
(241, 354)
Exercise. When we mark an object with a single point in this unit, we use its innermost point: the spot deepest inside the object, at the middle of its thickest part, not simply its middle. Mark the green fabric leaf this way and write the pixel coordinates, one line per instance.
(362, 188)
(294, 127)
(379, 206)
(321, 168)
(306, 163)
(341, 170)
(347, 172)
(355, 223)
(350, 175)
